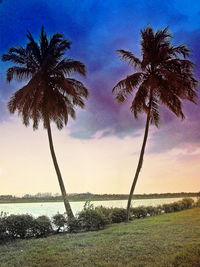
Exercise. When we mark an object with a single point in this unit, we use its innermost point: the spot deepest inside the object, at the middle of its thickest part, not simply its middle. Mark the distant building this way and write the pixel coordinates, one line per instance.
(6, 196)
(27, 196)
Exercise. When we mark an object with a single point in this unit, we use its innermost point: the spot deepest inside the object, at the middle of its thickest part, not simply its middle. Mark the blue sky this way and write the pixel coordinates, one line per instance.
(97, 29)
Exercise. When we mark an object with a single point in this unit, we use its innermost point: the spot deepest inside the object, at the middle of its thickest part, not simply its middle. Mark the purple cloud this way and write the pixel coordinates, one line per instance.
(97, 29)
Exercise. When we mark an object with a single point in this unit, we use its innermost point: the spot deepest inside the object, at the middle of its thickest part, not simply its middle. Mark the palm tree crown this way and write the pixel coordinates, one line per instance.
(162, 77)
(49, 94)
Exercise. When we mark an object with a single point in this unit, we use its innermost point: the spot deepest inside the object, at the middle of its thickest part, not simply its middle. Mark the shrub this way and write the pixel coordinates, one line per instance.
(41, 226)
(197, 204)
(176, 206)
(73, 225)
(118, 215)
(19, 225)
(168, 208)
(3, 229)
(153, 211)
(139, 212)
(59, 220)
(160, 209)
(187, 203)
(91, 218)
(106, 212)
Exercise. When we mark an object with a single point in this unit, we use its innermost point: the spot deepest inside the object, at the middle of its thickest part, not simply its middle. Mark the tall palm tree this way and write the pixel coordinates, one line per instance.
(164, 76)
(49, 95)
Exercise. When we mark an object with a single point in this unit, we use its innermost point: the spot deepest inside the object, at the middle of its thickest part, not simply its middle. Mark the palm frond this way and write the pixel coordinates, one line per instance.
(74, 91)
(139, 102)
(128, 56)
(79, 87)
(155, 114)
(181, 49)
(34, 48)
(43, 44)
(22, 57)
(58, 39)
(13, 58)
(18, 73)
(170, 99)
(125, 87)
(181, 84)
(69, 67)
(162, 36)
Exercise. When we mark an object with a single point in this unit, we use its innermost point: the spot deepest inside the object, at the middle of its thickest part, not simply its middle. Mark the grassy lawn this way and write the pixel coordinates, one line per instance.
(153, 241)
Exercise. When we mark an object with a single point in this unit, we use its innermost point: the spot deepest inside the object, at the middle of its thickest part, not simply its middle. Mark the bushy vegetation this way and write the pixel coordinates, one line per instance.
(153, 211)
(118, 215)
(42, 226)
(24, 226)
(59, 220)
(2, 225)
(73, 225)
(198, 203)
(92, 218)
(185, 203)
(89, 219)
(139, 212)
(19, 225)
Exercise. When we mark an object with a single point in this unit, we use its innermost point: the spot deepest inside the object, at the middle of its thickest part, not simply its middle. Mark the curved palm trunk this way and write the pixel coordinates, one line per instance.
(60, 180)
(139, 165)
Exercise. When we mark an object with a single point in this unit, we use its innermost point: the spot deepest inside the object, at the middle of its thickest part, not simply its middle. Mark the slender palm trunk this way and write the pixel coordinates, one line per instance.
(60, 180)
(139, 164)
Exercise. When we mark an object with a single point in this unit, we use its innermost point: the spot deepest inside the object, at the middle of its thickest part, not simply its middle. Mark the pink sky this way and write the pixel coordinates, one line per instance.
(99, 165)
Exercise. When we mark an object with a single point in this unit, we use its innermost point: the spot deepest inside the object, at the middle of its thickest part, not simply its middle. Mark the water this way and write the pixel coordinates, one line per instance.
(51, 208)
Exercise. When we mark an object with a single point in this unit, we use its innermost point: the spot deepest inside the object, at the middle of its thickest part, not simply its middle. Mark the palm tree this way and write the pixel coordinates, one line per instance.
(164, 76)
(49, 94)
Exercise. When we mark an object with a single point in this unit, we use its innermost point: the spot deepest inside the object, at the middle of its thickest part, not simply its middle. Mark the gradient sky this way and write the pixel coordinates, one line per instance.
(98, 152)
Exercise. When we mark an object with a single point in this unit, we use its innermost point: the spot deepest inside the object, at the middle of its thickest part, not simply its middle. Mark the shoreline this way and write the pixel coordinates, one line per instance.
(18, 201)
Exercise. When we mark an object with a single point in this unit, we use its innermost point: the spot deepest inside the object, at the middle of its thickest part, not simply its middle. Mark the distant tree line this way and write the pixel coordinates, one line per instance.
(92, 197)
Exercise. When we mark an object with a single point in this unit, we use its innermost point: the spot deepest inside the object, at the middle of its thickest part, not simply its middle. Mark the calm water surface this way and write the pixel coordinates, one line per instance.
(51, 208)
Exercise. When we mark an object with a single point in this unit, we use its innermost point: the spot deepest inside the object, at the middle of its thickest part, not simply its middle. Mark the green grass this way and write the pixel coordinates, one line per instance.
(164, 241)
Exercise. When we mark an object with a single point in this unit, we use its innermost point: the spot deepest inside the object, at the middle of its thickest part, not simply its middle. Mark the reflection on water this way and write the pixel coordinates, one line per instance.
(51, 208)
